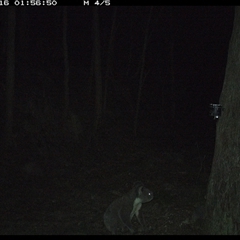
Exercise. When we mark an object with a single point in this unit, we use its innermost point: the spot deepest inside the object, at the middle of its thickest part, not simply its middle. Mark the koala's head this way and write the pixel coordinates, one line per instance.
(143, 193)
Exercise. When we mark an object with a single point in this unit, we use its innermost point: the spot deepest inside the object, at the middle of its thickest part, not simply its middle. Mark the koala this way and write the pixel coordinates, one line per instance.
(120, 212)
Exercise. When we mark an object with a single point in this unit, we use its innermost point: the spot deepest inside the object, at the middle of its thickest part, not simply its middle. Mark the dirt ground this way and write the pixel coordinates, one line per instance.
(71, 196)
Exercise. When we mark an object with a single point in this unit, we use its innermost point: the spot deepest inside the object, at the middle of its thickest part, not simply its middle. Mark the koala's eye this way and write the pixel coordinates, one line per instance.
(150, 194)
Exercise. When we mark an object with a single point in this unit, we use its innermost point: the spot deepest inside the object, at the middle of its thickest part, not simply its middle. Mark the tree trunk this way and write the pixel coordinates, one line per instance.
(22, 57)
(109, 59)
(142, 77)
(66, 66)
(172, 45)
(223, 205)
(10, 74)
(97, 69)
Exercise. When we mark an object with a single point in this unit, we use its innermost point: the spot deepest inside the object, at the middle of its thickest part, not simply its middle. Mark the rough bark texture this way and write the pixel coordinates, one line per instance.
(223, 197)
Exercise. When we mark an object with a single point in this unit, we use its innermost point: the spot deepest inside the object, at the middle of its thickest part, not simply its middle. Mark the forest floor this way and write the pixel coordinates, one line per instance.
(71, 198)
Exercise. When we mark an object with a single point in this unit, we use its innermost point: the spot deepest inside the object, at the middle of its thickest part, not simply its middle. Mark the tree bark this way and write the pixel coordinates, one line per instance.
(223, 205)
(10, 76)
(109, 59)
(66, 65)
(97, 69)
(142, 72)
(172, 69)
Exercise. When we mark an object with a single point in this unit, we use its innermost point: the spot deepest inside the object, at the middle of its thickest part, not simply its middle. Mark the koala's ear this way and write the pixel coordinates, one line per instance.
(140, 190)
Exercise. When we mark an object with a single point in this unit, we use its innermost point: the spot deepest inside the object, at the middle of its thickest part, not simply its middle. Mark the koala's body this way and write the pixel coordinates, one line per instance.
(119, 214)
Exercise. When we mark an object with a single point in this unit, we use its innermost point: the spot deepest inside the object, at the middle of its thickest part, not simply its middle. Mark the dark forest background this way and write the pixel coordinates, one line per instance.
(201, 36)
(110, 87)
